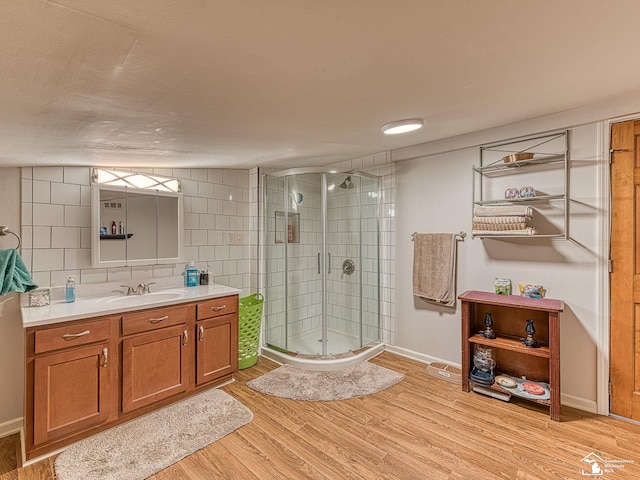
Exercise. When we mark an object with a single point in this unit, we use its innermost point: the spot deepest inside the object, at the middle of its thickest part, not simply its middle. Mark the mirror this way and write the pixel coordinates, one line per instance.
(131, 226)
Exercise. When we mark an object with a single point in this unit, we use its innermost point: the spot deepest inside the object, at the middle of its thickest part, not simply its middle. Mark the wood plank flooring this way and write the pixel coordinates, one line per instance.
(421, 428)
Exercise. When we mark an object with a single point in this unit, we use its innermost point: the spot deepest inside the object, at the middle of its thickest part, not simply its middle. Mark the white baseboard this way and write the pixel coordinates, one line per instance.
(590, 406)
(11, 427)
(569, 400)
(418, 357)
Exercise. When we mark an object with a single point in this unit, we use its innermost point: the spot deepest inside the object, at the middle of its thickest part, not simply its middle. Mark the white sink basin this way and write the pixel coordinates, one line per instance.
(162, 296)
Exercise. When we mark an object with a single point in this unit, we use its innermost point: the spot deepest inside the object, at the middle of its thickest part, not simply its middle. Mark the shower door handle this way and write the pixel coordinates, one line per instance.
(329, 266)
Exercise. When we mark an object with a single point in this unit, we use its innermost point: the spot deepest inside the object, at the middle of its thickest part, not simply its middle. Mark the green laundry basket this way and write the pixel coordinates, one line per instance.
(249, 317)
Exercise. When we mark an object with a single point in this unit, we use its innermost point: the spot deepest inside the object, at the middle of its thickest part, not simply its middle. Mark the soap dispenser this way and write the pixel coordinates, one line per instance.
(191, 276)
(70, 290)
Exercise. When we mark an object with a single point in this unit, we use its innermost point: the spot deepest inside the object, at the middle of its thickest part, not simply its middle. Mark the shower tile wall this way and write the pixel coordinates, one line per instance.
(352, 233)
(380, 165)
(56, 219)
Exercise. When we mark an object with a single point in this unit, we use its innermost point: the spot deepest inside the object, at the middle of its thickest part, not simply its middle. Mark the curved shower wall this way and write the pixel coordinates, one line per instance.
(321, 249)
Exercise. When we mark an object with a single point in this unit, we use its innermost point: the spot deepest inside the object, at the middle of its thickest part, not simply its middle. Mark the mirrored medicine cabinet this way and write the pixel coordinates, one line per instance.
(132, 226)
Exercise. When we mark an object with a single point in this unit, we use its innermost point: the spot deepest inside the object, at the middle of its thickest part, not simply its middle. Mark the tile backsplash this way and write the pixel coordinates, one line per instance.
(56, 226)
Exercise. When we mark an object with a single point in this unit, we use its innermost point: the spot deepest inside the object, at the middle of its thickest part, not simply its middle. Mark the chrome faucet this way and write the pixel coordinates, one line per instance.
(141, 289)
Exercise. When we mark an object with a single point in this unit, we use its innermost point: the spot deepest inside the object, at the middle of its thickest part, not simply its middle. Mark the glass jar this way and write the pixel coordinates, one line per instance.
(40, 297)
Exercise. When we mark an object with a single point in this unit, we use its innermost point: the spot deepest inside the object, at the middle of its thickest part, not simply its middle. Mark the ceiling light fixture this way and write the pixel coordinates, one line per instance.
(135, 180)
(403, 126)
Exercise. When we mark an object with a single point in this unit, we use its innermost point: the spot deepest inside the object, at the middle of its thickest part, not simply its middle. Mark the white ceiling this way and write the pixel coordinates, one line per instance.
(240, 83)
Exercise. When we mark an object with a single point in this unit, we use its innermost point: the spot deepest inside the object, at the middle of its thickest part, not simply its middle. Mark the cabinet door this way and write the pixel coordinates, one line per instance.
(155, 366)
(217, 348)
(72, 391)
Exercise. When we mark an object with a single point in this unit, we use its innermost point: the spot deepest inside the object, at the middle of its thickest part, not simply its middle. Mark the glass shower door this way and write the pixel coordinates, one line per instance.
(321, 267)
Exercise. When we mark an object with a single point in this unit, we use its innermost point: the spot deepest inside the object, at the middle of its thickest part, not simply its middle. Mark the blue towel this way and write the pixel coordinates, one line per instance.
(14, 276)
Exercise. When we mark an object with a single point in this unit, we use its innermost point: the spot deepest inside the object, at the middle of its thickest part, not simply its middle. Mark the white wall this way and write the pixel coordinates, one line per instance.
(434, 195)
(11, 333)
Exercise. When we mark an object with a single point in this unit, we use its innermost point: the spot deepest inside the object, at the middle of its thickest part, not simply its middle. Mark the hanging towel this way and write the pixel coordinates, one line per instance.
(434, 267)
(14, 276)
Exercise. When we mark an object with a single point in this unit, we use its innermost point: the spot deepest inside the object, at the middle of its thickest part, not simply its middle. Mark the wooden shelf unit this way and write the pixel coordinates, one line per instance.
(509, 314)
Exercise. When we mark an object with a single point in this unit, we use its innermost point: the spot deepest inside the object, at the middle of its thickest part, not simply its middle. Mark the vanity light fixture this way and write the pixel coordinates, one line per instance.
(403, 126)
(144, 181)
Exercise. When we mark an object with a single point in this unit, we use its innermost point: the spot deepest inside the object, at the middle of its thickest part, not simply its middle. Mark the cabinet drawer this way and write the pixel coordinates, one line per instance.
(217, 306)
(68, 336)
(154, 319)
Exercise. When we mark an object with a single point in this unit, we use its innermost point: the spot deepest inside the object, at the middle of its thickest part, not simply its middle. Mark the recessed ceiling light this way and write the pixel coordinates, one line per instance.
(403, 126)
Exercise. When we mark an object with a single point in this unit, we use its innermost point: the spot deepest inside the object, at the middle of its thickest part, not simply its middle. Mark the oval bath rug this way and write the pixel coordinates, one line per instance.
(359, 380)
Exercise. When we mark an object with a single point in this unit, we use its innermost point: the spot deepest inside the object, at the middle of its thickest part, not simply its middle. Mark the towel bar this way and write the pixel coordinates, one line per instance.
(460, 235)
(5, 231)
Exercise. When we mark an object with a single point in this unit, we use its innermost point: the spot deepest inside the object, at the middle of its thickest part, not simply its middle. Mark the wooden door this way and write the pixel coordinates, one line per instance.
(155, 366)
(72, 391)
(624, 373)
(216, 347)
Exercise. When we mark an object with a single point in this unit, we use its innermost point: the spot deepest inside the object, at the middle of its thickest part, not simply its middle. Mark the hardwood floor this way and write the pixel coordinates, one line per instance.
(421, 428)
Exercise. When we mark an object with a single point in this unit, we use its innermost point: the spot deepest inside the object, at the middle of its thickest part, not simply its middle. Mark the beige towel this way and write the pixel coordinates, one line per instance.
(523, 232)
(509, 219)
(434, 267)
(502, 210)
(499, 226)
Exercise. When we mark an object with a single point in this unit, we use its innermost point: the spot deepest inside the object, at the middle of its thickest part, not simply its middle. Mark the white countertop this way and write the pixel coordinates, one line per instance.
(114, 301)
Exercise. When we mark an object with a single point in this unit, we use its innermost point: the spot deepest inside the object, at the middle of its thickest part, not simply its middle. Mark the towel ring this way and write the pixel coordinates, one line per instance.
(4, 231)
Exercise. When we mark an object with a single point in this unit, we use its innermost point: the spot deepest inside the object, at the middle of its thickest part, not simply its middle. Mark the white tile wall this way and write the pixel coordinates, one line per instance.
(56, 218)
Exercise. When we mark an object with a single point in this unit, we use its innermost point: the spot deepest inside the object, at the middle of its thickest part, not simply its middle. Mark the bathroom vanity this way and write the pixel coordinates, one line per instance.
(104, 360)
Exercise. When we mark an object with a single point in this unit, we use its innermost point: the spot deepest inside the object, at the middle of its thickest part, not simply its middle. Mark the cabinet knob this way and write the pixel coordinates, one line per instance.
(105, 355)
(185, 338)
(201, 333)
(217, 309)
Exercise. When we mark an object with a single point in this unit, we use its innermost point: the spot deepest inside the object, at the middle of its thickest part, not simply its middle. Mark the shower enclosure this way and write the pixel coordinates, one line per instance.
(321, 249)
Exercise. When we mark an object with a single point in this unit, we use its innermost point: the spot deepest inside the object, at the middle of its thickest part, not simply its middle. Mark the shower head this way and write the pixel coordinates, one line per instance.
(347, 184)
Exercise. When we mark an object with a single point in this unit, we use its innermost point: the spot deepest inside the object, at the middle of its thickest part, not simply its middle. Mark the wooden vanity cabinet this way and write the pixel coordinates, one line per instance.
(84, 376)
(156, 356)
(217, 339)
(73, 373)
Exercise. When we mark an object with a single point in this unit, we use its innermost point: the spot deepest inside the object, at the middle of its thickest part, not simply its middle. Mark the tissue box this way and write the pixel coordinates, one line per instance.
(502, 286)
(531, 290)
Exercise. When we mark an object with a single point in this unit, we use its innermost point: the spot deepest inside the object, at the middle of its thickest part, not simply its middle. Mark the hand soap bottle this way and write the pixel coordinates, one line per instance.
(70, 290)
(191, 276)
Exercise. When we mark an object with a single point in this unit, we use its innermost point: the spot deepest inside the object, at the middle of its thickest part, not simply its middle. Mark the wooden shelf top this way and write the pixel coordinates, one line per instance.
(516, 301)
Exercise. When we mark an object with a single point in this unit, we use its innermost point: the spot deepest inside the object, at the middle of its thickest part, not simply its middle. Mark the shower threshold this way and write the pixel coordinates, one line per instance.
(323, 362)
